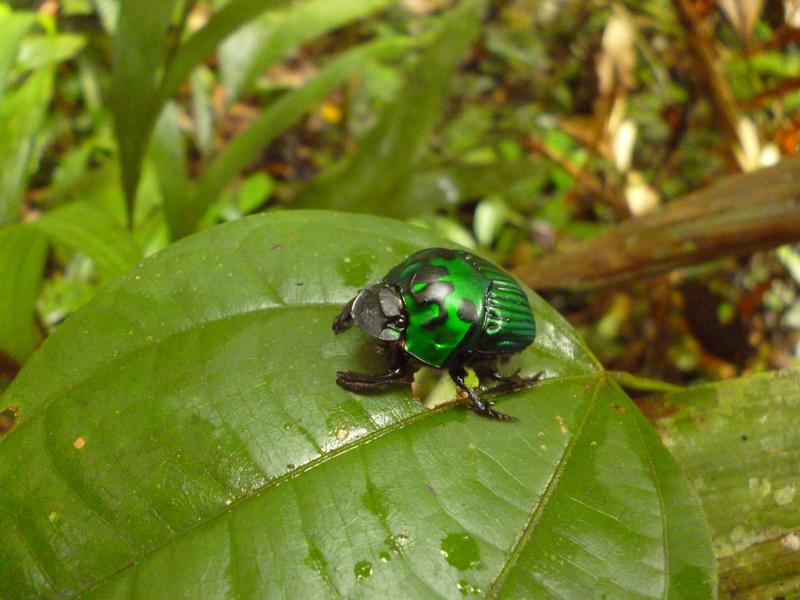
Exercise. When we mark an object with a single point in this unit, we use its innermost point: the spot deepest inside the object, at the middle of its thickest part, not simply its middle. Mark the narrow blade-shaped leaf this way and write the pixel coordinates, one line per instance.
(14, 27)
(368, 181)
(139, 51)
(22, 255)
(247, 53)
(202, 43)
(168, 153)
(95, 233)
(278, 117)
(39, 51)
(22, 113)
(196, 444)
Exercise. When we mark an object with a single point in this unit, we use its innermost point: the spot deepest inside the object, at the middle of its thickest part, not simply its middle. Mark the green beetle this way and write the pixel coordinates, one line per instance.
(446, 309)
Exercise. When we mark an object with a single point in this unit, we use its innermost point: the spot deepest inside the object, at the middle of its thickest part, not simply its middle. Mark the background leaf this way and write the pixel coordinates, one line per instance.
(739, 443)
(168, 153)
(203, 42)
(44, 50)
(368, 181)
(14, 27)
(95, 233)
(250, 51)
(22, 255)
(140, 47)
(193, 439)
(278, 117)
(22, 113)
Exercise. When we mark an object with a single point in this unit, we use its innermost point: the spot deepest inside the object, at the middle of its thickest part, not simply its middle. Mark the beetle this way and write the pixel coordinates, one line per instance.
(446, 309)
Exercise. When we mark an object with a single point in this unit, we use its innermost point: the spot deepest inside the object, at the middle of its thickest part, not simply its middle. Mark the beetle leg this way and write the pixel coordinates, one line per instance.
(361, 382)
(503, 384)
(478, 404)
(344, 320)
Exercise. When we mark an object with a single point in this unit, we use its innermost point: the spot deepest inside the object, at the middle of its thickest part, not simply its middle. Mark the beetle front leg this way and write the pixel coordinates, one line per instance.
(478, 404)
(344, 320)
(362, 382)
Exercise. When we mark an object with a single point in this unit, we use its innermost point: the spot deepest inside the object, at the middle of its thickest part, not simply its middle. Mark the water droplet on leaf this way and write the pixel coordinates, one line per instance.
(461, 551)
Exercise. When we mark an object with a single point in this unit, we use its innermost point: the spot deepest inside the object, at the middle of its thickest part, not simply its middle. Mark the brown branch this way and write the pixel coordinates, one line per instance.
(710, 77)
(785, 86)
(738, 215)
(783, 36)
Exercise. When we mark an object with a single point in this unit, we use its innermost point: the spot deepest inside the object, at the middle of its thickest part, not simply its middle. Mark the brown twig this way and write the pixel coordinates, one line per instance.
(738, 215)
(582, 176)
(783, 36)
(785, 86)
(710, 77)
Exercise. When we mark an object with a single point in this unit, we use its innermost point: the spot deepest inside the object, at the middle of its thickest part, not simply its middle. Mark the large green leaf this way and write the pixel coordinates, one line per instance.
(183, 435)
(739, 443)
(369, 180)
(22, 255)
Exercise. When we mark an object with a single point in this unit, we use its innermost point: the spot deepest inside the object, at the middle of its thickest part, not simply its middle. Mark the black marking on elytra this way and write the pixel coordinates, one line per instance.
(435, 291)
(467, 312)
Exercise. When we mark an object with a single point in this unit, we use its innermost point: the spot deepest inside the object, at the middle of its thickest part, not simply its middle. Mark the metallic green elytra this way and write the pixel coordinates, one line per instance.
(458, 303)
(444, 309)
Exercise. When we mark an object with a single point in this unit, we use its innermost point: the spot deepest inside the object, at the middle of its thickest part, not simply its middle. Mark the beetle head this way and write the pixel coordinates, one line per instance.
(379, 311)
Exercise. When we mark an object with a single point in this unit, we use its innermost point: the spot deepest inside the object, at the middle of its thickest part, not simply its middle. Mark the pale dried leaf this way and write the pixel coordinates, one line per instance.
(617, 59)
(640, 196)
(743, 15)
(770, 155)
(622, 143)
(791, 12)
(748, 152)
(424, 7)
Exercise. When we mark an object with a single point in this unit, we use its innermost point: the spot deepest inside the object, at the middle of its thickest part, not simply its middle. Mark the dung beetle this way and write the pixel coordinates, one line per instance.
(446, 309)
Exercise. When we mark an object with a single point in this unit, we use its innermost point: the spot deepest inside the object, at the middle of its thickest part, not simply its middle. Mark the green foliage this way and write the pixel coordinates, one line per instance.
(142, 52)
(140, 46)
(93, 232)
(277, 117)
(738, 442)
(201, 445)
(368, 181)
(246, 54)
(22, 112)
(22, 255)
(184, 431)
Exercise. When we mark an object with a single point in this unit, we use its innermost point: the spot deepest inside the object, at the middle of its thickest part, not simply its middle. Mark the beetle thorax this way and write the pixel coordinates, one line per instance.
(379, 311)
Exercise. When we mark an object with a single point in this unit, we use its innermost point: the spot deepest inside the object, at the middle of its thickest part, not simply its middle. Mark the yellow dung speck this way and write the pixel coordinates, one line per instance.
(331, 113)
(79, 443)
(561, 424)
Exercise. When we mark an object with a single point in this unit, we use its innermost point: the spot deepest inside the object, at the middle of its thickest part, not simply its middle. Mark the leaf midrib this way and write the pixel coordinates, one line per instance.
(536, 516)
(333, 454)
